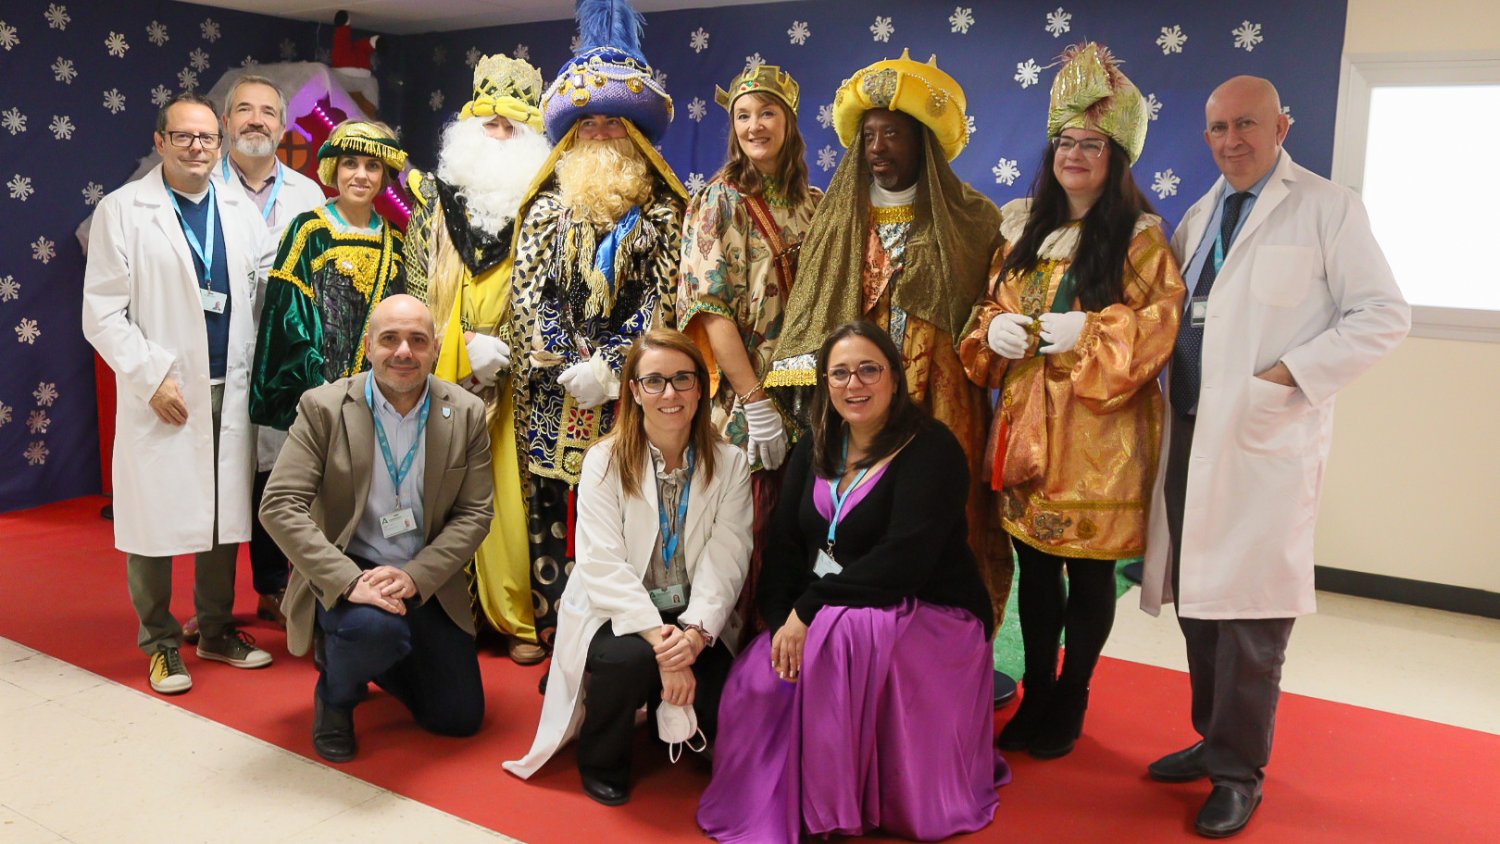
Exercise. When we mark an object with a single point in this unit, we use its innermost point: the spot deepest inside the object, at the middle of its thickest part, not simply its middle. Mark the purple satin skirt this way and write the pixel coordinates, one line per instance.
(890, 726)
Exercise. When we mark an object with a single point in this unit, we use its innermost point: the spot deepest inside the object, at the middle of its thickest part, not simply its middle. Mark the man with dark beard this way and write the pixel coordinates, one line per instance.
(458, 259)
(596, 266)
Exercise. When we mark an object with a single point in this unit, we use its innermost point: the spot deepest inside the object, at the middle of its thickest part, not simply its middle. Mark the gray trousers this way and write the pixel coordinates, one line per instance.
(1234, 665)
(150, 581)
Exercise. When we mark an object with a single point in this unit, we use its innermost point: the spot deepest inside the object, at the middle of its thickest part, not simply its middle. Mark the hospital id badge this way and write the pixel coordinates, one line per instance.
(673, 597)
(1198, 311)
(825, 565)
(213, 301)
(397, 523)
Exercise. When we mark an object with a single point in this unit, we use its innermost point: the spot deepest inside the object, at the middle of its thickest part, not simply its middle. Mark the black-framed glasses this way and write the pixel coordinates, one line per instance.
(183, 140)
(1092, 147)
(866, 373)
(655, 384)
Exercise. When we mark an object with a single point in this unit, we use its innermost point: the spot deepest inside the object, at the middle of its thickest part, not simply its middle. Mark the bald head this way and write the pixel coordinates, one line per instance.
(1245, 128)
(401, 306)
(401, 347)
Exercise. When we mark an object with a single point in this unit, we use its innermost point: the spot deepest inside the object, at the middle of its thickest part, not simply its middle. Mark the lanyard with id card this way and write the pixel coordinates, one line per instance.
(1198, 305)
(673, 597)
(212, 300)
(402, 519)
(825, 565)
(266, 212)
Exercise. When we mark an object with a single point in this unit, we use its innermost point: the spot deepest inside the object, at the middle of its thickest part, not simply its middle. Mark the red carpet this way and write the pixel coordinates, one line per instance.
(1340, 773)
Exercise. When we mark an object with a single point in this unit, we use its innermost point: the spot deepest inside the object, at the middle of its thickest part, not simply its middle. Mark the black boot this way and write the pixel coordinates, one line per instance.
(1035, 700)
(1063, 723)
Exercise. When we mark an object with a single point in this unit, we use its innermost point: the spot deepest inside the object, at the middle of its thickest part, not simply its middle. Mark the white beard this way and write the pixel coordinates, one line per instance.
(491, 175)
(255, 146)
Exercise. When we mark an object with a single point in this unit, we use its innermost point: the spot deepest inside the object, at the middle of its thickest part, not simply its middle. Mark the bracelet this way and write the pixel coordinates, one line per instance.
(708, 641)
(745, 399)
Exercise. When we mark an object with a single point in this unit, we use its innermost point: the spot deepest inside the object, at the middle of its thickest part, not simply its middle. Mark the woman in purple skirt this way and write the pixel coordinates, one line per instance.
(868, 701)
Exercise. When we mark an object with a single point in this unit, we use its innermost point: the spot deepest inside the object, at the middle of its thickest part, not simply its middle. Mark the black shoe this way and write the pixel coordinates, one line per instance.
(1062, 724)
(333, 731)
(1183, 766)
(603, 792)
(1225, 812)
(1018, 733)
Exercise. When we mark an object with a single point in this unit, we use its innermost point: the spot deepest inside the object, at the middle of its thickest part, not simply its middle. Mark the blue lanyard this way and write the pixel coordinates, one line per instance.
(397, 474)
(333, 208)
(266, 212)
(669, 535)
(207, 257)
(838, 500)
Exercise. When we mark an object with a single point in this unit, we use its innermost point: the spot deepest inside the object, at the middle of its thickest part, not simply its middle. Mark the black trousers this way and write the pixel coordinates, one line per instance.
(622, 676)
(1084, 608)
(1234, 665)
(269, 568)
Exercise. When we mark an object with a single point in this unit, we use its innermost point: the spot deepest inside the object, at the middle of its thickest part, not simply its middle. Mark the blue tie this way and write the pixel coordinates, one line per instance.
(1187, 357)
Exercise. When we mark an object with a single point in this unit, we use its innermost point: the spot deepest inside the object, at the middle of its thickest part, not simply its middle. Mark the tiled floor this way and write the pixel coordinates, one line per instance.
(155, 772)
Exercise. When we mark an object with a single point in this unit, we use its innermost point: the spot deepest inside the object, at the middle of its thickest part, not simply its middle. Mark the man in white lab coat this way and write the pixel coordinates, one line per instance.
(169, 302)
(1290, 300)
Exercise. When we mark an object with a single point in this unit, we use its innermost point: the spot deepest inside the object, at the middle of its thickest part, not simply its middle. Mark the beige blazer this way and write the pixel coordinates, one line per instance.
(317, 492)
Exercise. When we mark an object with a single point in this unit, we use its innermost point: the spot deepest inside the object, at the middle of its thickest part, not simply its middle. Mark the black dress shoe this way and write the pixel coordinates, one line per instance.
(603, 792)
(1225, 813)
(333, 731)
(1183, 766)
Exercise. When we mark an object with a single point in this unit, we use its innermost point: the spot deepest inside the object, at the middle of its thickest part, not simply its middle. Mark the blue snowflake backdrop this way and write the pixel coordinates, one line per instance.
(77, 81)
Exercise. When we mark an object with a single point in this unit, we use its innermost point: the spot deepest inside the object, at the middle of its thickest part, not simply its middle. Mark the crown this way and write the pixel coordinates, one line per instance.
(760, 79)
(502, 76)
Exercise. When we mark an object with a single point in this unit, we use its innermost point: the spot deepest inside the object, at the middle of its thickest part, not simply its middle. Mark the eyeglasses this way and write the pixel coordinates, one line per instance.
(655, 384)
(866, 373)
(183, 140)
(1092, 147)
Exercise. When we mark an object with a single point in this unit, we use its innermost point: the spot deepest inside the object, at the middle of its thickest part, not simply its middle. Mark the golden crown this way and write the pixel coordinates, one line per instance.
(760, 79)
(502, 76)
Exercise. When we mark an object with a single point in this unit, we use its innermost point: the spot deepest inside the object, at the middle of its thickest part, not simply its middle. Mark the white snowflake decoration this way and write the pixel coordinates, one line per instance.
(1059, 22)
(8, 37)
(882, 30)
(970, 125)
(20, 187)
(198, 59)
(249, 61)
(961, 19)
(697, 109)
(698, 40)
(156, 33)
(27, 332)
(57, 17)
(1153, 106)
(4, 414)
(13, 121)
(799, 33)
(435, 100)
(1247, 35)
(45, 393)
(753, 61)
(43, 250)
(10, 289)
(36, 453)
(61, 127)
(695, 182)
(187, 79)
(1287, 110)
(472, 57)
(1006, 172)
(210, 30)
(521, 52)
(62, 70)
(825, 115)
(660, 76)
(114, 101)
(1165, 183)
(288, 49)
(828, 158)
(92, 193)
(115, 45)
(1171, 39)
(38, 422)
(1028, 72)
(160, 95)
(439, 54)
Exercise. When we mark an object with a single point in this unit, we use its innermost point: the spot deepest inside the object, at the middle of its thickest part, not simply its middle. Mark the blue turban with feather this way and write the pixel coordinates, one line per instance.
(608, 75)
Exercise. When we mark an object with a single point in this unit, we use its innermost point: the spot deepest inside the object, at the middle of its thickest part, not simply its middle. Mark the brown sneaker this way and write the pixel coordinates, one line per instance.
(269, 609)
(526, 653)
(190, 631)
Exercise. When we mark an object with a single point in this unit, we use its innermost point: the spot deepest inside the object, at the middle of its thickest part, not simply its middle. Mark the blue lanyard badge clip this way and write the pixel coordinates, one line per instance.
(266, 212)
(671, 533)
(212, 300)
(825, 564)
(402, 519)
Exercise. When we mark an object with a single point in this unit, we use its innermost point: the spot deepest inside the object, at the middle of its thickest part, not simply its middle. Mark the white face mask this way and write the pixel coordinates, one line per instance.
(678, 727)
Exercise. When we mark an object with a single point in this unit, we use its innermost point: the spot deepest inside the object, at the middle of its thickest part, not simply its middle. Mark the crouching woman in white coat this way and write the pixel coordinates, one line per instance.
(663, 542)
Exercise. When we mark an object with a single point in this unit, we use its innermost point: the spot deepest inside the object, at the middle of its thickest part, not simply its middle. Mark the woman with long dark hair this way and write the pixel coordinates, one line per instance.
(879, 627)
(1080, 319)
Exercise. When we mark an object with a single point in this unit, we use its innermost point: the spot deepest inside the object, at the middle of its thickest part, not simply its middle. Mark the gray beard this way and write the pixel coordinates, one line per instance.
(257, 146)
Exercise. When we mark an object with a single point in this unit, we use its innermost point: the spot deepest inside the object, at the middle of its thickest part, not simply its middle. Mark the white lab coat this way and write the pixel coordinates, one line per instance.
(1306, 284)
(298, 194)
(142, 312)
(615, 537)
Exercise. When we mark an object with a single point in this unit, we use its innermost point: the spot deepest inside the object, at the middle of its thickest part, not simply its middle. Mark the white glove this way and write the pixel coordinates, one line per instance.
(767, 433)
(581, 383)
(1008, 335)
(1060, 331)
(487, 357)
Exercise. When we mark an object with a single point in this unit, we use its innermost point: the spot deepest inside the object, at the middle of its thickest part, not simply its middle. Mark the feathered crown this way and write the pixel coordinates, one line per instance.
(608, 75)
(1090, 92)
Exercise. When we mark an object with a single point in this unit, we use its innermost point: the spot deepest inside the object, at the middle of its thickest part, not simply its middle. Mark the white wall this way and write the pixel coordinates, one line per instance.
(1411, 484)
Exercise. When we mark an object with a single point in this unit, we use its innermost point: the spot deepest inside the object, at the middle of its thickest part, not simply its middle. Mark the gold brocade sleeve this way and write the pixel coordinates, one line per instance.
(1125, 346)
(983, 366)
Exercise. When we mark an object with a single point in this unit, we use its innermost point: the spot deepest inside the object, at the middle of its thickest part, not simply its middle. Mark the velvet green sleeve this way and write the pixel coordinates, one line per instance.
(289, 346)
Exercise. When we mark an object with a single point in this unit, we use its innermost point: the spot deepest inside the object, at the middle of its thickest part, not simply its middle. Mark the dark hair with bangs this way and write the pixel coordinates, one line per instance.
(902, 421)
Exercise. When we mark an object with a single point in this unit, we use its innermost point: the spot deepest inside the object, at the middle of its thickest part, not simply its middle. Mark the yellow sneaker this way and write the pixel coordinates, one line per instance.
(168, 675)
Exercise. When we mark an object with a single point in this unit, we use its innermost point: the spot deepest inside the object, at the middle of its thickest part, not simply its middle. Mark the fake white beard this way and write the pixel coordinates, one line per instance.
(491, 175)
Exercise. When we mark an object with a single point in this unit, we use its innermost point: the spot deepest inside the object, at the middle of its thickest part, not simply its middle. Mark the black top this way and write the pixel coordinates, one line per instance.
(907, 538)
